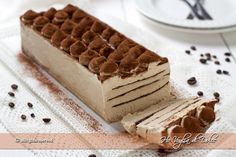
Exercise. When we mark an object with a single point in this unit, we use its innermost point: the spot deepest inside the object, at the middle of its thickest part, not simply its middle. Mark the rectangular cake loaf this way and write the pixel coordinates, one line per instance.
(109, 72)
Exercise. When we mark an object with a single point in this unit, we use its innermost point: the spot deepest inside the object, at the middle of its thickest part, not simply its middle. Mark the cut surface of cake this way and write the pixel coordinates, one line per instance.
(192, 115)
(109, 72)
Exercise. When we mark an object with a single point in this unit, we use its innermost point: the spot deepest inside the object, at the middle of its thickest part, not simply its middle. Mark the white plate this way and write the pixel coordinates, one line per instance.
(173, 13)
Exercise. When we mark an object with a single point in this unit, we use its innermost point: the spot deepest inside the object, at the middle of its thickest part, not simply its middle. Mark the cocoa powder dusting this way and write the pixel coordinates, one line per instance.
(34, 71)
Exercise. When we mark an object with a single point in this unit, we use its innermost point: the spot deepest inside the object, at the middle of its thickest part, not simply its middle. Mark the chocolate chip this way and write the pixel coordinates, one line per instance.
(219, 71)
(227, 54)
(14, 86)
(11, 105)
(11, 94)
(200, 93)
(203, 61)
(32, 115)
(23, 117)
(225, 72)
(227, 59)
(92, 155)
(30, 105)
(217, 62)
(192, 81)
(188, 52)
(216, 95)
(193, 48)
(46, 120)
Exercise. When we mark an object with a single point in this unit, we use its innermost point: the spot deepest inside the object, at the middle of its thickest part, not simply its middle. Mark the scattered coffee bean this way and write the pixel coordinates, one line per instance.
(92, 155)
(208, 58)
(11, 94)
(193, 48)
(30, 105)
(214, 56)
(11, 105)
(203, 61)
(202, 55)
(192, 81)
(208, 54)
(188, 52)
(46, 120)
(14, 86)
(225, 72)
(219, 71)
(23, 117)
(227, 59)
(217, 62)
(200, 93)
(218, 99)
(216, 95)
(32, 115)
(227, 54)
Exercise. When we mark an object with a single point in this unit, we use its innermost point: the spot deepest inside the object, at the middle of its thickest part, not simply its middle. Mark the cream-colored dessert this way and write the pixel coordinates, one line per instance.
(109, 72)
(191, 115)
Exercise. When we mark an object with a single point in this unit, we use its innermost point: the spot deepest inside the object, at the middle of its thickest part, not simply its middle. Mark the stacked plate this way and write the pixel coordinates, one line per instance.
(175, 14)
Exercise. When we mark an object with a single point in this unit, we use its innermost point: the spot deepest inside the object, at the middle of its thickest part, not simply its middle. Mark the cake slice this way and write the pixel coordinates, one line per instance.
(192, 115)
(109, 72)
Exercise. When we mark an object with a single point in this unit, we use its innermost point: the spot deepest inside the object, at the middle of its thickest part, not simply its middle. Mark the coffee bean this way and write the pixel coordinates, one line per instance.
(11, 105)
(46, 120)
(23, 117)
(214, 56)
(208, 54)
(200, 93)
(225, 72)
(188, 52)
(92, 155)
(227, 59)
(227, 54)
(193, 48)
(32, 115)
(217, 62)
(219, 71)
(208, 58)
(218, 99)
(202, 55)
(11, 94)
(30, 105)
(216, 95)
(14, 86)
(203, 61)
(192, 81)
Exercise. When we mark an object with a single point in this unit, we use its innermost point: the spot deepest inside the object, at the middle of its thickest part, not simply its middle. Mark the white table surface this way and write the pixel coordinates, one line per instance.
(125, 10)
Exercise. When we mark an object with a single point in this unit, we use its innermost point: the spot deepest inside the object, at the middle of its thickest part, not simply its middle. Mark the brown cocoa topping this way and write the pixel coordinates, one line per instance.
(148, 57)
(97, 44)
(87, 56)
(191, 124)
(108, 68)
(128, 64)
(29, 16)
(77, 32)
(136, 51)
(107, 33)
(78, 15)
(86, 23)
(125, 46)
(206, 115)
(67, 26)
(106, 51)
(48, 30)
(50, 13)
(77, 49)
(115, 40)
(57, 37)
(70, 9)
(66, 43)
(96, 63)
(60, 17)
(98, 27)
(88, 37)
(39, 22)
(115, 56)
